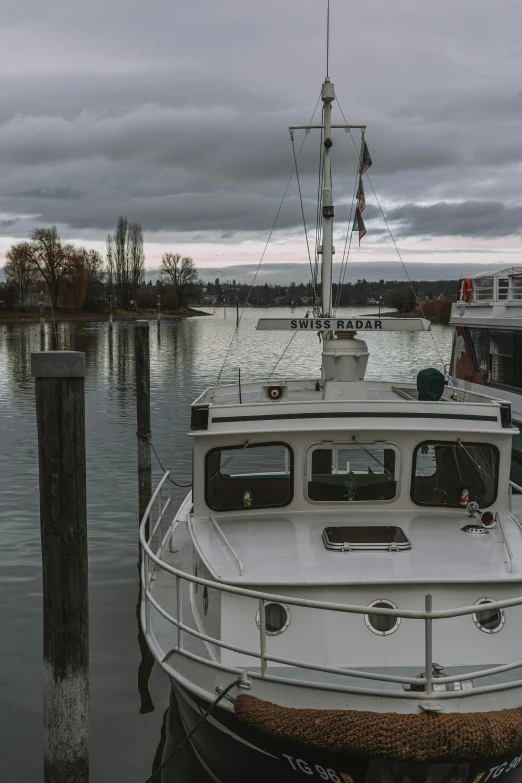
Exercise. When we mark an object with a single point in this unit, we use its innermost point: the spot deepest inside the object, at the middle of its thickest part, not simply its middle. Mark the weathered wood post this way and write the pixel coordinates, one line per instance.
(110, 311)
(142, 351)
(42, 318)
(159, 308)
(60, 414)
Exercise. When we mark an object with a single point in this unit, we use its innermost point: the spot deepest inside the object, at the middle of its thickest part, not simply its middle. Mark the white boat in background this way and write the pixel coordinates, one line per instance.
(487, 341)
(348, 562)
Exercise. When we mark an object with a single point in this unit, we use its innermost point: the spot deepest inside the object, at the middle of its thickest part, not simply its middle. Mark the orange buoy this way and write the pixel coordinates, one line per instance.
(467, 288)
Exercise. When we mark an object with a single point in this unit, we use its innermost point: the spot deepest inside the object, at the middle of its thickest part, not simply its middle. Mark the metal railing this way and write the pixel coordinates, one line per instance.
(151, 530)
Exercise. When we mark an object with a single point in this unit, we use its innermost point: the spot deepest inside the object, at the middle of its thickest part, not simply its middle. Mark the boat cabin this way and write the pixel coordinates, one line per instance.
(487, 343)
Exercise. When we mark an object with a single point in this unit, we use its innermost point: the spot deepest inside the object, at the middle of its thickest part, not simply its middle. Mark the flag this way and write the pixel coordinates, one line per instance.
(366, 161)
(358, 224)
(361, 201)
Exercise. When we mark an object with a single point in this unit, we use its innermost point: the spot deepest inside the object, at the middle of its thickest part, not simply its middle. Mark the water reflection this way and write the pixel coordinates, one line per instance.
(186, 356)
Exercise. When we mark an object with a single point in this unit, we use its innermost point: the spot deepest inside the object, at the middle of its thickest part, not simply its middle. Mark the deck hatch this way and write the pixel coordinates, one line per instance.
(384, 537)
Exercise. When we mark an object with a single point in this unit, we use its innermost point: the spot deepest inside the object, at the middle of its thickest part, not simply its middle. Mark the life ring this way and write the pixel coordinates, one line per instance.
(467, 288)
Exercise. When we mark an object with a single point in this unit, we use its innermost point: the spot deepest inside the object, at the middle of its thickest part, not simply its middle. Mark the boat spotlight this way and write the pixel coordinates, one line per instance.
(487, 520)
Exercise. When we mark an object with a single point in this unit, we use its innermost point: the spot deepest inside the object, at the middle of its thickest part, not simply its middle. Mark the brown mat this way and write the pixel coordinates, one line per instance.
(423, 737)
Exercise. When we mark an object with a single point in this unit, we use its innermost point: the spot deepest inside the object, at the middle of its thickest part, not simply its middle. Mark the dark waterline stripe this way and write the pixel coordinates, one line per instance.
(357, 415)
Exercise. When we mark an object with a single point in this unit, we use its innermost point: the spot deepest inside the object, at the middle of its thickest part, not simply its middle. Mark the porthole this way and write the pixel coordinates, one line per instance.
(489, 620)
(205, 599)
(382, 624)
(277, 618)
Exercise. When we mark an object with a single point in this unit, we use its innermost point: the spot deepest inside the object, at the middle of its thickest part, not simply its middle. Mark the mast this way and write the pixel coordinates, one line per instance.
(327, 95)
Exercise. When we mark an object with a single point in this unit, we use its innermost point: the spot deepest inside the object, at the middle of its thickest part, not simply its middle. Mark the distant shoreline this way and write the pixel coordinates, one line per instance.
(33, 315)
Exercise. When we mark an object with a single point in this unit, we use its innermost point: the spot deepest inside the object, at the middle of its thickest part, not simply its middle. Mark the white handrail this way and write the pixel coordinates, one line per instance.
(428, 615)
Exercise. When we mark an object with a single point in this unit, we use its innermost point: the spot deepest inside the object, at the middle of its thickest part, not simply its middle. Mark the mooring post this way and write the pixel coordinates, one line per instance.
(237, 313)
(42, 318)
(159, 308)
(110, 311)
(60, 415)
(143, 415)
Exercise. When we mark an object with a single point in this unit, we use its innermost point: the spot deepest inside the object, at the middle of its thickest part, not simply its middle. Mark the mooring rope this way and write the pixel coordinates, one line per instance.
(191, 733)
(148, 437)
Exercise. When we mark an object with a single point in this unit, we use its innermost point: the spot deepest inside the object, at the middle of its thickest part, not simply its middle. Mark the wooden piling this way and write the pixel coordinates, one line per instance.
(42, 318)
(60, 414)
(142, 359)
(159, 308)
(110, 311)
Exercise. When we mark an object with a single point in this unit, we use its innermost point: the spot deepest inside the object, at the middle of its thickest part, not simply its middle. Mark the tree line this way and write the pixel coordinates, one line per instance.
(80, 278)
(393, 293)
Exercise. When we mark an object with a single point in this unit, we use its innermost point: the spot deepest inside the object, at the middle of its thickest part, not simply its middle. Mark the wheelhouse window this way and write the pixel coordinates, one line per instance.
(453, 474)
(246, 476)
(344, 472)
(499, 354)
(484, 288)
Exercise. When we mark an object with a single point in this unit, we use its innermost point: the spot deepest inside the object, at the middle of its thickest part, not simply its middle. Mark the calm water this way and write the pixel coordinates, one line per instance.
(129, 697)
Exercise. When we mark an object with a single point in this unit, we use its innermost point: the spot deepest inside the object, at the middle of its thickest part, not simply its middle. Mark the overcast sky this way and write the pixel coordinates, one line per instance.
(175, 114)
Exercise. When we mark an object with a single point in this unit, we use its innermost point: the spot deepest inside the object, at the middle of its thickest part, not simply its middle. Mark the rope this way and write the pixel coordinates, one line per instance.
(261, 259)
(399, 254)
(148, 438)
(191, 733)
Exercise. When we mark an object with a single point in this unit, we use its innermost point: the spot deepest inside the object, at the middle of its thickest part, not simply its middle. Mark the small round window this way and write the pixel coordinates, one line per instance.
(488, 620)
(382, 624)
(277, 618)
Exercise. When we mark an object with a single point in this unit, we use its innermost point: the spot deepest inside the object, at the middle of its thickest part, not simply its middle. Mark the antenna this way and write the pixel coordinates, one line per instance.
(327, 37)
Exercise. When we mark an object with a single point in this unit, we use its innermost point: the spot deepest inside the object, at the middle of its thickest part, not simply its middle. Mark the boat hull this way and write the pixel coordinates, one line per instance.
(231, 753)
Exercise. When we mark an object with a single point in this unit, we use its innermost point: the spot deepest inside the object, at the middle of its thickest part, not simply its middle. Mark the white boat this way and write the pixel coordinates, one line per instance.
(487, 338)
(349, 560)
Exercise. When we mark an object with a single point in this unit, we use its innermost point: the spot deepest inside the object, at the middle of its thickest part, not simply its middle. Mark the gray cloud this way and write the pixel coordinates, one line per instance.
(469, 219)
(177, 115)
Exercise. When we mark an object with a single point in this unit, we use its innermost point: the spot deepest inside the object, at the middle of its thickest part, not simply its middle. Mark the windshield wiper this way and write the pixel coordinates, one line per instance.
(371, 455)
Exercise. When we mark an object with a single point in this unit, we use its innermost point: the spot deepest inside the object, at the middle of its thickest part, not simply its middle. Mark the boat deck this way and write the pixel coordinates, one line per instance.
(288, 549)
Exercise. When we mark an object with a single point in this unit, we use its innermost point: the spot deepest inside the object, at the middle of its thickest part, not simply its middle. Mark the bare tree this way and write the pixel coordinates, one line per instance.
(121, 259)
(85, 273)
(19, 269)
(110, 264)
(51, 258)
(181, 272)
(136, 256)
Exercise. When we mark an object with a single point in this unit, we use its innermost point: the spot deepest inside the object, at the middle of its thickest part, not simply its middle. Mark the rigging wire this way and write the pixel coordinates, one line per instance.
(261, 259)
(347, 241)
(399, 254)
(319, 216)
(302, 209)
(286, 349)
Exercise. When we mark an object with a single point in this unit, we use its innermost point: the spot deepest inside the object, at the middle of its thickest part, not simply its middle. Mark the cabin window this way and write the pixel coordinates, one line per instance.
(484, 288)
(249, 476)
(502, 288)
(499, 354)
(501, 351)
(453, 474)
(344, 472)
(480, 342)
(516, 288)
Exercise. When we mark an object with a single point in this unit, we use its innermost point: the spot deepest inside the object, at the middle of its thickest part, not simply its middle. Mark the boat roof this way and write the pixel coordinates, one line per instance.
(362, 405)
(506, 272)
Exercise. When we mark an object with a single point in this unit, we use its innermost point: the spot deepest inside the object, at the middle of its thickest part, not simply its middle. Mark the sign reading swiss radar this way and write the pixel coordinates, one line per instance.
(346, 324)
